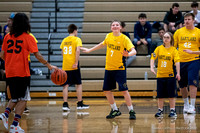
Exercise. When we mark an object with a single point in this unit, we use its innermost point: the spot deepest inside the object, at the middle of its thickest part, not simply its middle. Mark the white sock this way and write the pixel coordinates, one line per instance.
(172, 109)
(114, 106)
(192, 101)
(186, 102)
(160, 109)
(130, 107)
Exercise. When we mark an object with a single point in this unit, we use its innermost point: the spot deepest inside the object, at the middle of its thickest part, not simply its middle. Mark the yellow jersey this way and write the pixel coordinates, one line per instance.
(35, 41)
(165, 56)
(115, 48)
(68, 46)
(187, 39)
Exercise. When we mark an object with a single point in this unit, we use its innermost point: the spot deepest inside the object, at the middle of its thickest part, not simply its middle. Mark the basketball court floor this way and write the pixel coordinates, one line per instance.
(46, 116)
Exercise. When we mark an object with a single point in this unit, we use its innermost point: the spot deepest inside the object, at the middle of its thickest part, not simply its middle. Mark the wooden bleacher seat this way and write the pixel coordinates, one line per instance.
(15, 6)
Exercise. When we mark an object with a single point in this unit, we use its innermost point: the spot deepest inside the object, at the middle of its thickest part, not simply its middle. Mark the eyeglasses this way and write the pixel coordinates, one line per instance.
(166, 37)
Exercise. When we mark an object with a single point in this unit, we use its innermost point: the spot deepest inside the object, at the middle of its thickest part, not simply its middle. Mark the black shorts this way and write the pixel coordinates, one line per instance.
(73, 77)
(18, 88)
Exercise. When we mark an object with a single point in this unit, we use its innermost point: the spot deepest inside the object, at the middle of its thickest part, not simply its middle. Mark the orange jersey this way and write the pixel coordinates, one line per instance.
(16, 51)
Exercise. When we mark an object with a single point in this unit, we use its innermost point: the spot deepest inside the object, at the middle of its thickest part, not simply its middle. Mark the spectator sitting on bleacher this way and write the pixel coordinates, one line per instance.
(9, 23)
(1, 38)
(142, 32)
(196, 13)
(173, 19)
(158, 41)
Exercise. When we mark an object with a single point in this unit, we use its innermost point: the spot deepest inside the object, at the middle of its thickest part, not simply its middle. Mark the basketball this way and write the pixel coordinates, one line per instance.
(58, 77)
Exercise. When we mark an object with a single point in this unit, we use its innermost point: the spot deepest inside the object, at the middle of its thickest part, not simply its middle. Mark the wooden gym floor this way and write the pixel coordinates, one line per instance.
(46, 116)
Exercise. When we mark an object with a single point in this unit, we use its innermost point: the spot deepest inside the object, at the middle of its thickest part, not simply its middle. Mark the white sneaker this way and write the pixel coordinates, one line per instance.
(16, 129)
(4, 120)
(191, 110)
(185, 109)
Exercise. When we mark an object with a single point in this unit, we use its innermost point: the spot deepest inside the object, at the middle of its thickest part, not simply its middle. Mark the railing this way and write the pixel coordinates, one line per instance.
(56, 10)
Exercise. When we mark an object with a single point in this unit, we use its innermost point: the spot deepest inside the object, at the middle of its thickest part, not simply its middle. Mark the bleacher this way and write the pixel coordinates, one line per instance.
(93, 18)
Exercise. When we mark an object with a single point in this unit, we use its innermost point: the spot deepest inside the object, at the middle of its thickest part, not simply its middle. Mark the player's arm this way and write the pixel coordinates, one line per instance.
(2, 54)
(99, 46)
(191, 52)
(43, 61)
(178, 77)
(131, 53)
(152, 66)
(78, 49)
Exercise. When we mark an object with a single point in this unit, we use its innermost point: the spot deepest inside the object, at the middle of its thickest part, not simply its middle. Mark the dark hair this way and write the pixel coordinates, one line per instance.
(142, 15)
(123, 24)
(71, 28)
(194, 4)
(171, 36)
(189, 14)
(20, 24)
(175, 5)
(160, 28)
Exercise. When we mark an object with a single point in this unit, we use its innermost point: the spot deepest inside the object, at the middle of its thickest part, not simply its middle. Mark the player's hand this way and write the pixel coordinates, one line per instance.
(52, 67)
(85, 50)
(178, 77)
(188, 51)
(75, 65)
(125, 53)
(153, 71)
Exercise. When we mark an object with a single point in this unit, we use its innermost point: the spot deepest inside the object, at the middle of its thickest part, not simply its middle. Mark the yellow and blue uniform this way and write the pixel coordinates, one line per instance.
(69, 46)
(115, 70)
(189, 67)
(166, 83)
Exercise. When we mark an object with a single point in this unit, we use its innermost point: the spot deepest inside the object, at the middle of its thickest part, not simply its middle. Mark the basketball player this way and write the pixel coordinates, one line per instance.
(115, 70)
(16, 46)
(71, 51)
(166, 82)
(188, 37)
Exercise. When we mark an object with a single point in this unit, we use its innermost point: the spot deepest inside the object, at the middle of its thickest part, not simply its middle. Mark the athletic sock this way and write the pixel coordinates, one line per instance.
(114, 106)
(7, 112)
(192, 101)
(186, 102)
(16, 120)
(130, 108)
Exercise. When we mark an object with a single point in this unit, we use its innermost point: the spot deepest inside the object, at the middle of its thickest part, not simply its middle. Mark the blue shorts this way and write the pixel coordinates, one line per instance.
(73, 77)
(189, 72)
(166, 88)
(111, 77)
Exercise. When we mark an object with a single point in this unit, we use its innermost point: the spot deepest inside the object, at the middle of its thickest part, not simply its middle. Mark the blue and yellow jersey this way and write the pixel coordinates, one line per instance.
(115, 48)
(68, 46)
(35, 41)
(187, 39)
(165, 56)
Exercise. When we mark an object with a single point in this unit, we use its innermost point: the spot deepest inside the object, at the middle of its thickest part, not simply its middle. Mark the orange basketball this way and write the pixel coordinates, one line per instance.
(59, 77)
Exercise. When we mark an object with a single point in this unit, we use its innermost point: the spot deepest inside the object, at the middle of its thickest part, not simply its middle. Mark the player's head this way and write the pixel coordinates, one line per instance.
(189, 19)
(194, 6)
(168, 38)
(175, 8)
(72, 28)
(116, 26)
(142, 18)
(161, 32)
(20, 24)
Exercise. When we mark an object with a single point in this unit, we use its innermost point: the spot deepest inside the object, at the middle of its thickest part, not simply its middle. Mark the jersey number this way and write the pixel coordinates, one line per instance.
(17, 46)
(163, 64)
(187, 44)
(112, 52)
(68, 50)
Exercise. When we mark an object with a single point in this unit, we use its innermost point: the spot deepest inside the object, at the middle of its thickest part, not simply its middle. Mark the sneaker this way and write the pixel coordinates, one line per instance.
(16, 129)
(172, 114)
(80, 105)
(191, 110)
(26, 110)
(185, 109)
(65, 114)
(159, 113)
(132, 115)
(4, 120)
(65, 106)
(81, 115)
(113, 114)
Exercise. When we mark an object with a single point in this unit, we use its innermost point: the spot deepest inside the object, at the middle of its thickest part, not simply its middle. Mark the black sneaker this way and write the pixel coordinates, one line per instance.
(132, 115)
(172, 114)
(65, 106)
(80, 105)
(113, 114)
(159, 113)
(26, 110)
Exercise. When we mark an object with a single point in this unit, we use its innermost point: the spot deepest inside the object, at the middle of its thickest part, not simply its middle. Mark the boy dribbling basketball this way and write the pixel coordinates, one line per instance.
(71, 51)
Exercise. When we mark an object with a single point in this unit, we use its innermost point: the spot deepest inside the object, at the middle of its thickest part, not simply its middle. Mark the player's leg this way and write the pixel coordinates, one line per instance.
(108, 85)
